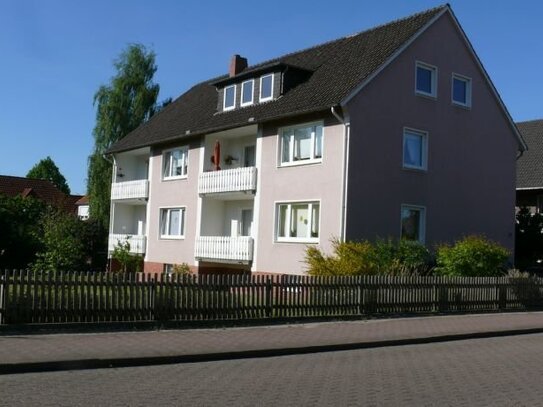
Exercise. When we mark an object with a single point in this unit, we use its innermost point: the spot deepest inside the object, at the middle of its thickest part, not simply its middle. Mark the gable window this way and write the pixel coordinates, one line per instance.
(298, 222)
(461, 90)
(266, 87)
(301, 144)
(172, 223)
(415, 149)
(247, 92)
(426, 80)
(229, 97)
(175, 163)
(413, 223)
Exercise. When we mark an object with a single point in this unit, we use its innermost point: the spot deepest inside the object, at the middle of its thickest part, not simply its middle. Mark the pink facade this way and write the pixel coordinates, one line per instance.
(469, 185)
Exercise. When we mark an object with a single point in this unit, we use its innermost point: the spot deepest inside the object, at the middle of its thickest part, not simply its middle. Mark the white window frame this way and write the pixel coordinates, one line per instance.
(242, 103)
(424, 136)
(467, 81)
(422, 220)
(224, 107)
(286, 239)
(312, 159)
(182, 224)
(167, 269)
(170, 164)
(261, 99)
(432, 69)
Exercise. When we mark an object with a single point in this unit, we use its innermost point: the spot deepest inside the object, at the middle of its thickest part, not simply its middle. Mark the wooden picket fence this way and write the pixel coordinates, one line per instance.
(27, 297)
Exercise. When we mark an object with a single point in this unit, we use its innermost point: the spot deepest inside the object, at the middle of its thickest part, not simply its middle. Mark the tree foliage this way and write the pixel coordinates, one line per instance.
(127, 261)
(124, 104)
(20, 231)
(47, 169)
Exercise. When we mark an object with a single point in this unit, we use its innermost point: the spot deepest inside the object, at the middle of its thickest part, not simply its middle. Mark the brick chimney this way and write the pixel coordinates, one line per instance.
(237, 64)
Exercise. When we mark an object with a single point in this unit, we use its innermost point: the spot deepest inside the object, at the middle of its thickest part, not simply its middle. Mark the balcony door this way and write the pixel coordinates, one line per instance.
(249, 156)
(246, 222)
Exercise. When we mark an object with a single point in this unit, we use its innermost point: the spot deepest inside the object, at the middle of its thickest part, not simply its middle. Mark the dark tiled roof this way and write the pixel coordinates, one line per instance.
(82, 199)
(530, 165)
(41, 189)
(338, 67)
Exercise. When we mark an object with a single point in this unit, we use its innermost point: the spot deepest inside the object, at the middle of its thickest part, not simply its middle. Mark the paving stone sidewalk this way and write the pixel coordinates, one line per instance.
(234, 342)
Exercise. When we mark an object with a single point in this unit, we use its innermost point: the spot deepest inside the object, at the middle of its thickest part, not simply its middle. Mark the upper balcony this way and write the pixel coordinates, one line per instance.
(235, 180)
(130, 190)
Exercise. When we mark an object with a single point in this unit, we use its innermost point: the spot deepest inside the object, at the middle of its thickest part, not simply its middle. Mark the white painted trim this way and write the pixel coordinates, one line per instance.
(345, 172)
(424, 135)
(252, 81)
(260, 98)
(529, 188)
(467, 80)
(183, 224)
(434, 79)
(199, 199)
(163, 163)
(258, 197)
(399, 51)
(278, 239)
(224, 108)
(148, 208)
(422, 225)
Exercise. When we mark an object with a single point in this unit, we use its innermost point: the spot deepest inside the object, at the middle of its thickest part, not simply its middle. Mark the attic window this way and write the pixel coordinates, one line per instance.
(426, 80)
(229, 97)
(247, 92)
(266, 87)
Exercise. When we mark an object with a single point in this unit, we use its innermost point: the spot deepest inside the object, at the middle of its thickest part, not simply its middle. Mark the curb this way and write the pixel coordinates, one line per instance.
(85, 364)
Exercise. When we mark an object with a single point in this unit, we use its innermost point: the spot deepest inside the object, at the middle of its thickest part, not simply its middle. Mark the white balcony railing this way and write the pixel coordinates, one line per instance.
(234, 180)
(138, 189)
(224, 248)
(137, 242)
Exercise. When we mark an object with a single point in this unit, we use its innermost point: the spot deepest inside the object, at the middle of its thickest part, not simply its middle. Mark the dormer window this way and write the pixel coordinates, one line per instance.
(229, 97)
(266, 87)
(247, 92)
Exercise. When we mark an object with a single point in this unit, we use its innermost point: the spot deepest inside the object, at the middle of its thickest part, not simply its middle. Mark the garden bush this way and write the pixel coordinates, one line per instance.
(385, 257)
(473, 256)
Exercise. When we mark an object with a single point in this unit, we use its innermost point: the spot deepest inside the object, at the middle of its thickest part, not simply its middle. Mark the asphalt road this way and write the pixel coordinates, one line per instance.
(505, 371)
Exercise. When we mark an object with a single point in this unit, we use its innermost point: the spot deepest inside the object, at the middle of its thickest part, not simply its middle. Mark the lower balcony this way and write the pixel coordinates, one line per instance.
(225, 249)
(137, 242)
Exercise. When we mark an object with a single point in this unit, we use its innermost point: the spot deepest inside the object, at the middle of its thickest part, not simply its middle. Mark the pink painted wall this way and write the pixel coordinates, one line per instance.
(322, 181)
(174, 193)
(469, 186)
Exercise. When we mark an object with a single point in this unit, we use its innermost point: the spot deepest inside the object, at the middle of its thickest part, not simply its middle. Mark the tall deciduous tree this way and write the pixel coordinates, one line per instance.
(47, 169)
(124, 104)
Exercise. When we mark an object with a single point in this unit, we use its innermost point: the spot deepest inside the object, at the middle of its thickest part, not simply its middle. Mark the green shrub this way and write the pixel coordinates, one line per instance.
(181, 269)
(349, 259)
(129, 263)
(472, 256)
(365, 258)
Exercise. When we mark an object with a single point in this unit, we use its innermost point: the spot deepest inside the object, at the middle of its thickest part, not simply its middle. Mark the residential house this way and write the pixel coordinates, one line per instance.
(396, 132)
(530, 167)
(41, 189)
(83, 207)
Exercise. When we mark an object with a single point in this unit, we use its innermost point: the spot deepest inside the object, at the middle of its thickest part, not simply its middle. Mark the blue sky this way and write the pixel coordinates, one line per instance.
(56, 53)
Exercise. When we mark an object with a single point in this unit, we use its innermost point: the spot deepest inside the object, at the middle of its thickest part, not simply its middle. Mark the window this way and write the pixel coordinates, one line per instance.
(298, 222)
(413, 223)
(461, 90)
(415, 147)
(266, 87)
(172, 223)
(229, 97)
(301, 144)
(426, 80)
(168, 269)
(247, 92)
(175, 163)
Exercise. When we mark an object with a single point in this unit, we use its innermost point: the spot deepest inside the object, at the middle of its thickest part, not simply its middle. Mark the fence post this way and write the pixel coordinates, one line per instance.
(2, 296)
(360, 288)
(269, 305)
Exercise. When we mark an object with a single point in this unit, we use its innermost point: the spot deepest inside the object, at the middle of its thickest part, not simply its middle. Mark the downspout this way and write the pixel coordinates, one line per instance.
(344, 185)
(111, 207)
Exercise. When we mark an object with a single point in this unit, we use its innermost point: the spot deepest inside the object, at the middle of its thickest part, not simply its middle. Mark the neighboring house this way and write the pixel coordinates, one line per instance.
(393, 132)
(530, 167)
(82, 205)
(41, 189)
